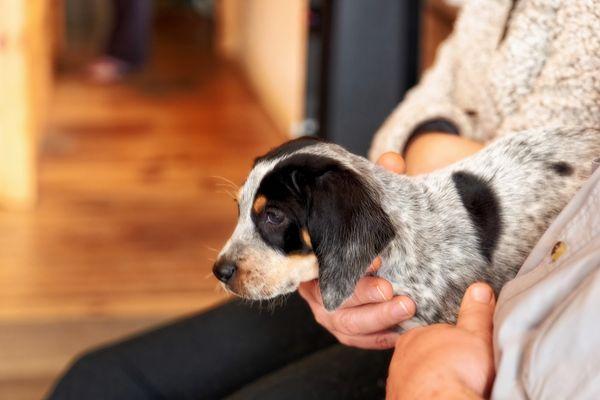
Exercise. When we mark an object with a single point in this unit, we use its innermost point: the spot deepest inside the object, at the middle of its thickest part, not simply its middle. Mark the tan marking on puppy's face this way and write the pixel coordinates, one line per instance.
(306, 238)
(259, 204)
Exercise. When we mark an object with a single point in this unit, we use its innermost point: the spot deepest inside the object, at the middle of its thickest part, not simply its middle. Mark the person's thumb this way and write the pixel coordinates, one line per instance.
(477, 310)
(392, 162)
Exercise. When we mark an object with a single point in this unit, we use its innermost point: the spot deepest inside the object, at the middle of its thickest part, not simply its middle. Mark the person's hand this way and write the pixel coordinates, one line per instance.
(445, 361)
(430, 151)
(367, 318)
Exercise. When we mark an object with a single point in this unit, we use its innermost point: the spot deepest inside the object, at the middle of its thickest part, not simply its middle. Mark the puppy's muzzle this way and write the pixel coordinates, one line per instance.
(224, 270)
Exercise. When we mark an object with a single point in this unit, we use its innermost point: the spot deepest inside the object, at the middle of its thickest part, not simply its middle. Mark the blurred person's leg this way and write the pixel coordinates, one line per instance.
(337, 372)
(130, 38)
(129, 42)
(206, 356)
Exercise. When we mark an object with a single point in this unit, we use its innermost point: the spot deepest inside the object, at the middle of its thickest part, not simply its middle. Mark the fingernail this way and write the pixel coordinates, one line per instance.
(481, 293)
(377, 294)
(401, 310)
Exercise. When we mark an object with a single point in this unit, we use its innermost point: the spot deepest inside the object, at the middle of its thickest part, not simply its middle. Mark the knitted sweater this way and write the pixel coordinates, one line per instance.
(507, 66)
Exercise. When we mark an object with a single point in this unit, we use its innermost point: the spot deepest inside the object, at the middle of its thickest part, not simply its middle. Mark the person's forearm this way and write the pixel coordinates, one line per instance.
(440, 387)
(433, 150)
(450, 392)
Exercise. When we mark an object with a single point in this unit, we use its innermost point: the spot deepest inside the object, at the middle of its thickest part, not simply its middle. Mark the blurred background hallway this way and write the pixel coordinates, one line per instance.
(131, 206)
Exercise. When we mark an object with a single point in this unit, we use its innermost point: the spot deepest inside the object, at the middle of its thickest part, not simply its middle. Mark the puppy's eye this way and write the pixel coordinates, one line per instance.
(274, 216)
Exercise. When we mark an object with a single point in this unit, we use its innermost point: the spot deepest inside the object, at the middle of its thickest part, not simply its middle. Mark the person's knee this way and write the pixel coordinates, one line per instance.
(95, 375)
(82, 373)
(89, 364)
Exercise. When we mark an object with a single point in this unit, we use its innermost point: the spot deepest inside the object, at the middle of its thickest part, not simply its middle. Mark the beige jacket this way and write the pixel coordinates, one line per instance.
(508, 66)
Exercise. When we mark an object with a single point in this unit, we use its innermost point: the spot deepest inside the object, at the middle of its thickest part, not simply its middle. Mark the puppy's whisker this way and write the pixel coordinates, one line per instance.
(224, 191)
(210, 248)
(230, 194)
(225, 180)
(276, 302)
(222, 288)
(226, 185)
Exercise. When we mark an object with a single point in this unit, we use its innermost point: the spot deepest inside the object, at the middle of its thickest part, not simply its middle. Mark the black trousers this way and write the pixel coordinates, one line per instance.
(234, 351)
(129, 39)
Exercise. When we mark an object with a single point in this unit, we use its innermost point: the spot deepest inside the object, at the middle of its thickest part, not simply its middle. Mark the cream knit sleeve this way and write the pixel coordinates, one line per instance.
(566, 90)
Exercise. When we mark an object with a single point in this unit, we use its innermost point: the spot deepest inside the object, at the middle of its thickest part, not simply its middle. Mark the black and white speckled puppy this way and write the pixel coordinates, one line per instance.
(310, 209)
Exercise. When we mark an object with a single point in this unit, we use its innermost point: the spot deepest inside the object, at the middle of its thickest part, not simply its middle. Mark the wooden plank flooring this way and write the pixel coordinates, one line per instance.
(130, 211)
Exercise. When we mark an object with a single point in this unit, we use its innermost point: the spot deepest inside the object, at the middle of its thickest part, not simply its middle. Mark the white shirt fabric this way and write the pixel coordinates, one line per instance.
(547, 321)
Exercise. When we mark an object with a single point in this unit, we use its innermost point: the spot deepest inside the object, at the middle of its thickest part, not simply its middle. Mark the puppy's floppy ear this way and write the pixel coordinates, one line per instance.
(348, 229)
(346, 224)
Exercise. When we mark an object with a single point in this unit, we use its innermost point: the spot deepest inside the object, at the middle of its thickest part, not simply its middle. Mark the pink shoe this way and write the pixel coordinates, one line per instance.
(108, 70)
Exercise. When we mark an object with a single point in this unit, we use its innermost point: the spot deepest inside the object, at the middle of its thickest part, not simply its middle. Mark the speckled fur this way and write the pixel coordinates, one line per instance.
(435, 253)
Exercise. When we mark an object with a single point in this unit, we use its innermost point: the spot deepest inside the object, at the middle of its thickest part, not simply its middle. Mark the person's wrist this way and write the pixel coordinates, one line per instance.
(429, 151)
(442, 386)
(452, 390)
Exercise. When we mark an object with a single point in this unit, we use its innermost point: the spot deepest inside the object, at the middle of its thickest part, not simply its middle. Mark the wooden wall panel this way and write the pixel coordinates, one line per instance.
(25, 65)
(269, 39)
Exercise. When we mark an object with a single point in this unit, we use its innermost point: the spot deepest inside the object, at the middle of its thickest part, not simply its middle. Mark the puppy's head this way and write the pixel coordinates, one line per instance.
(304, 213)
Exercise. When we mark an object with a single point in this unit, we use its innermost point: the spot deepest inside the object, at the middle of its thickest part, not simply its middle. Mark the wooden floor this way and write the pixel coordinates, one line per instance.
(131, 208)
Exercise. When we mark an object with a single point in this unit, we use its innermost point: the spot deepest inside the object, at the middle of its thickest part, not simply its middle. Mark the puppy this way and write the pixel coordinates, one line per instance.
(311, 209)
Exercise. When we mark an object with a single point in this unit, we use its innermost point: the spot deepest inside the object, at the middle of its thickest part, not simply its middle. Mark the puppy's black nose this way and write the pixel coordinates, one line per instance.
(224, 270)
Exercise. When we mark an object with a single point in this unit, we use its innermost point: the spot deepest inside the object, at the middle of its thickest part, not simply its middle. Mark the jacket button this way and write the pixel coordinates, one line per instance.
(558, 250)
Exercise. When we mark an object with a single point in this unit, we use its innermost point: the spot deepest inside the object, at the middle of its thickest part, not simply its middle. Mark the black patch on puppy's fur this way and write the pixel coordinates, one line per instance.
(562, 168)
(286, 236)
(347, 226)
(484, 210)
(289, 147)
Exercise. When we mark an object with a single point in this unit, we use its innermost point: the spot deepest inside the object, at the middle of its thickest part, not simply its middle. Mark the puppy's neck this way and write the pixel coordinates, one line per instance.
(410, 204)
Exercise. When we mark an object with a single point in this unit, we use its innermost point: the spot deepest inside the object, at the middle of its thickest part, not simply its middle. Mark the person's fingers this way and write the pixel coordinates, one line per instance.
(375, 341)
(309, 291)
(392, 162)
(370, 289)
(350, 324)
(477, 310)
(372, 318)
